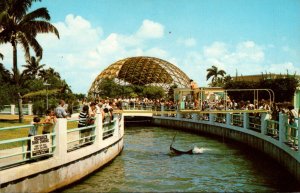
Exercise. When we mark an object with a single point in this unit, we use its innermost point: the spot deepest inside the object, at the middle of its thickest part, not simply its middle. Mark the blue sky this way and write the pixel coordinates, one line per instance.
(243, 36)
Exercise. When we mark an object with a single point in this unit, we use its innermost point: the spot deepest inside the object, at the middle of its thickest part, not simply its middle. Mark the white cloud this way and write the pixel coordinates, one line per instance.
(246, 57)
(216, 50)
(156, 52)
(150, 29)
(189, 42)
(82, 53)
(283, 68)
(250, 51)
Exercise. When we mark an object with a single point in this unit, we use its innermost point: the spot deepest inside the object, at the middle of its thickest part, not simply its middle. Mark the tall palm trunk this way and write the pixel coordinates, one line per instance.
(17, 81)
(15, 63)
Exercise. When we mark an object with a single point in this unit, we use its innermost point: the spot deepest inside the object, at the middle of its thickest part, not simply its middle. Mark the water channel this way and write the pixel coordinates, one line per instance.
(145, 165)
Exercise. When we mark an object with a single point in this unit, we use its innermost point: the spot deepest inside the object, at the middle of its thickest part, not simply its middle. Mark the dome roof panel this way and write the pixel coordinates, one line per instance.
(143, 71)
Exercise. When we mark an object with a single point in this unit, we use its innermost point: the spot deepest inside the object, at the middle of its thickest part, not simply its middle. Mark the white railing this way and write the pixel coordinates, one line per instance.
(62, 139)
(280, 133)
(14, 110)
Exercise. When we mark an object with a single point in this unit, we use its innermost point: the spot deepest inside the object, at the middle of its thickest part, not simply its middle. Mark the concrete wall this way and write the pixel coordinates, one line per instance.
(64, 167)
(279, 151)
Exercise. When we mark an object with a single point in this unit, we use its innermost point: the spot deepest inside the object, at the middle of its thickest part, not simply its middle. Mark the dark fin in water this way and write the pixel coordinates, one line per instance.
(178, 152)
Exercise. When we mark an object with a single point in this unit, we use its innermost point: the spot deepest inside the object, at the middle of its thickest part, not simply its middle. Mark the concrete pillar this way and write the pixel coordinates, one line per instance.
(162, 109)
(298, 133)
(122, 124)
(30, 109)
(228, 119)
(178, 115)
(212, 117)
(263, 122)
(61, 139)
(98, 129)
(245, 120)
(12, 109)
(195, 117)
(282, 127)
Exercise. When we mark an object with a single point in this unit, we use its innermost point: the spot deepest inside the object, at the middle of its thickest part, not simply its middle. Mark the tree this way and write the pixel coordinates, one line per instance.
(284, 89)
(153, 92)
(32, 68)
(19, 26)
(49, 73)
(5, 75)
(214, 72)
(5, 88)
(171, 92)
(108, 88)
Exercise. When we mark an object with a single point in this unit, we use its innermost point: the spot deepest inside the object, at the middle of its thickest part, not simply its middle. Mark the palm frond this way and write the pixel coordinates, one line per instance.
(42, 93)
(35, 45)
(209, 75)
(41, 27)
(24, 43)
(41, 13)
(221, 72)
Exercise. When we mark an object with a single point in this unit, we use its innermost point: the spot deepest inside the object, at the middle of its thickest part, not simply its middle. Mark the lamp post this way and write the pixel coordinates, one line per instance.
(47, 84)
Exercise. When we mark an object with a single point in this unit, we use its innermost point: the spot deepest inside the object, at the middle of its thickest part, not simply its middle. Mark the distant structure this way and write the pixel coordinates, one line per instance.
(258, 77)
(142, 71)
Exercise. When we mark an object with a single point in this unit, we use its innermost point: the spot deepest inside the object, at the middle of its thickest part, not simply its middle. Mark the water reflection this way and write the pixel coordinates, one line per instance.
(145, 165)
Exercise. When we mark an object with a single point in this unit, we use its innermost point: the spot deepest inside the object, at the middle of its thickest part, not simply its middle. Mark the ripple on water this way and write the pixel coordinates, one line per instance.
(145, 165)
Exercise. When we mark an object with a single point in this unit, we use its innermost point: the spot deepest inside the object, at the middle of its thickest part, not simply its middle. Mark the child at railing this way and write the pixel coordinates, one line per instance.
(49, 121)
(32, 131)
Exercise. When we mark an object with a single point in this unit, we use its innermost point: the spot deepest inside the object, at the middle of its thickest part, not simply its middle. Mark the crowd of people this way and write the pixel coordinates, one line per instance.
(89, 109)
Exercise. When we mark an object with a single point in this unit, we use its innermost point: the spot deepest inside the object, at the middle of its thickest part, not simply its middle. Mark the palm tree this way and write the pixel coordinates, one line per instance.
(21, 27)
(46, 74)
(214, 72)
(33, 67)
(17, 26)
(5, 74)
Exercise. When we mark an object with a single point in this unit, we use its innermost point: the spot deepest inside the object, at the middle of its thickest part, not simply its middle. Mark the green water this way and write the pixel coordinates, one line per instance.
(145, 165)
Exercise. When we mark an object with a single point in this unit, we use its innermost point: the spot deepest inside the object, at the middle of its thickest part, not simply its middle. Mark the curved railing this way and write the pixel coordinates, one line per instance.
(259, 124)
(14, 150)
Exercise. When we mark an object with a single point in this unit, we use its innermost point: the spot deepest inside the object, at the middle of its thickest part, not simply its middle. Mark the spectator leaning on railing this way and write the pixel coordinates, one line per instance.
(60, 111)
(49, 121)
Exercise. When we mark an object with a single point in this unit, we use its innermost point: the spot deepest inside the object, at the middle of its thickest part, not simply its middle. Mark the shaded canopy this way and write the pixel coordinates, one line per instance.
(143, 71)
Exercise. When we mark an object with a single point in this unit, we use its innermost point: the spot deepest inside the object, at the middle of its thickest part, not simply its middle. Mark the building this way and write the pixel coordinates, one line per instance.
(143, 71)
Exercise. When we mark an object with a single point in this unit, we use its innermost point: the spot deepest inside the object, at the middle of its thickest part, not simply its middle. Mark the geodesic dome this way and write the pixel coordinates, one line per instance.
(143, 71)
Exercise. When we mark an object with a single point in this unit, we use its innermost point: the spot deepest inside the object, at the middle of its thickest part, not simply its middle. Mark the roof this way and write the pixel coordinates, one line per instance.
(143, 71)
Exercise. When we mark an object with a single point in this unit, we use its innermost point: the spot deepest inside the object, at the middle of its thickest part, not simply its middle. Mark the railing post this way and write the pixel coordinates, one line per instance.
(61, 138)
(228, 119)
(245, 120)
(98, 129)
(263, 123)
(211, 118)
(195, 117)
(30, 109)
(282, 127)
(12, 109)
(162, 108)
(298, 126)
(122, 124)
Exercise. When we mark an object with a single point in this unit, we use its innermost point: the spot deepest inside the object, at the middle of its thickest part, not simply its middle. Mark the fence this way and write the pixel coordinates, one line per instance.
(14, 150)
(259, 122)
(14, 110)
